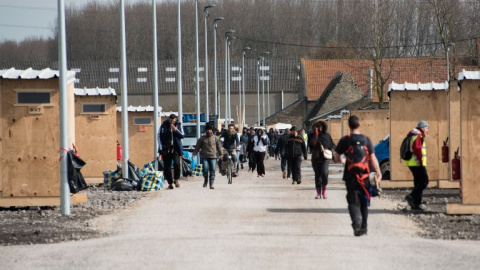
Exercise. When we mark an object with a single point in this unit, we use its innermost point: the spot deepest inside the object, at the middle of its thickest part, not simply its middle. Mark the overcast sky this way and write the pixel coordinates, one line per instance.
(20, 19)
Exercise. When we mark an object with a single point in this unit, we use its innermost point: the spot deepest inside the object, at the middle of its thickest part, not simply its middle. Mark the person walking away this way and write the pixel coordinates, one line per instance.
(272, 137)
(418, 165)
(359, 153)
(209, 146)
(252, 164)
(243, 146)
(317, 139)
(230, 143)
(304, 137)
(295, 149)
(170, 147)
(260, 144)
(281, 151)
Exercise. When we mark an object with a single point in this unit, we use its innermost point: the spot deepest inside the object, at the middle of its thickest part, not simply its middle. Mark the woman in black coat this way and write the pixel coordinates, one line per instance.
(316, 139)
(295, 150)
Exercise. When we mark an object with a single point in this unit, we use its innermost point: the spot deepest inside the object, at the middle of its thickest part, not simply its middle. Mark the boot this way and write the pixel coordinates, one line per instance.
(177, 185)
(205, 182)
(324, 192)
(211, 184)
(319, 191)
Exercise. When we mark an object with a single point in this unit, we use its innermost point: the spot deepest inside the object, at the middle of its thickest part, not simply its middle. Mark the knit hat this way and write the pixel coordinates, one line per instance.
(422, 124)
(208, 126)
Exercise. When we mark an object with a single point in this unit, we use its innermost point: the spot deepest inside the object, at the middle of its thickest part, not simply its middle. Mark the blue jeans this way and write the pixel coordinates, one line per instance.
(209, 165)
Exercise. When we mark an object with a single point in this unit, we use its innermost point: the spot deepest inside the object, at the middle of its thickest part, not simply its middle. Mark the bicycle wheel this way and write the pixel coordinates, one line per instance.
(230, 172)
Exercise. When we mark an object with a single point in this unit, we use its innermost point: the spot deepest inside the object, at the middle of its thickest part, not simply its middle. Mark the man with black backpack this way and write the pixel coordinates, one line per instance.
(359, 155)
(417, 164)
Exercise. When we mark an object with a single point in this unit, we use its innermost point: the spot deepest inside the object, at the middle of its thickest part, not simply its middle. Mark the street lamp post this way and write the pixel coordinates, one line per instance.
(197, 72)
(263, 85)
(258, 90)
(217, 112)
(243, 84)
(179, 65)
(268, 93)
(229, 78)
(207, 109)
(227, 37)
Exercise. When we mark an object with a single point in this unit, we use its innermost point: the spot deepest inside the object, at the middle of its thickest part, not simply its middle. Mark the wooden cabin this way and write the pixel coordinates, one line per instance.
(96, 130)
(30, 137)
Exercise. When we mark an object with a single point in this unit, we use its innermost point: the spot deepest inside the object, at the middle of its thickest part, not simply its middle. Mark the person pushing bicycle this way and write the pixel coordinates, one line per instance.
(230, 143)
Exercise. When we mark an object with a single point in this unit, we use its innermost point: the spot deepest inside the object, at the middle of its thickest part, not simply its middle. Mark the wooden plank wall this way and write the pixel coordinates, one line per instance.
(470, 126)
(141, 142)
(335, 129)
(374, 123)
(31, 142)
(96, 135)
(454, 140)
(345, 128)
(406, 109)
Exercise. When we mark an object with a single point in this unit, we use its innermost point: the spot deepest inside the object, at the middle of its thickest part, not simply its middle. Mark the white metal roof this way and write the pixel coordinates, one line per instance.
(95, 91)
(417, 86)
(30, 73)
(140, 109)
(468, 75)
(334, 116)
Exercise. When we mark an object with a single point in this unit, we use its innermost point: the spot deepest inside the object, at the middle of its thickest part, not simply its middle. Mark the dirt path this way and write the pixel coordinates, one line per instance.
(255, 223)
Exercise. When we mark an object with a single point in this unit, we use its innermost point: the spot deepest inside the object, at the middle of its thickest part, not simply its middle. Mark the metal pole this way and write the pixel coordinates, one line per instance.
(155, 84)
(123, 79)
(197, 72)
(263, 89)
(207, 109)
(215, 67)
(268, 94)
(64, 144)
(282, 99)
(229, 81)
(258, 92)
(239, 114)
(448, 65)
(243, 88)
(179, 66)
(226, 80)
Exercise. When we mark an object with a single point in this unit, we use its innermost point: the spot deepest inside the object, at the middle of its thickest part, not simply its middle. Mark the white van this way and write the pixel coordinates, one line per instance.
(190, 139)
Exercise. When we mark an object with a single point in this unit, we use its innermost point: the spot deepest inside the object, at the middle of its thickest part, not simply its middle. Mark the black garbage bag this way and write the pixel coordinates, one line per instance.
(122, 185)
(160, 165)
(76, 182)
(134, 176)
(186, 169)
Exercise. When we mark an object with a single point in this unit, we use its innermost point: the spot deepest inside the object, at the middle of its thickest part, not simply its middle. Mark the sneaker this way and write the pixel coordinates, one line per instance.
(293, 182)
(409, 200)
(224, 173)
(299, 182)
(234, 174)
(357, 231)
(176, 183)
(170, 186)
(284, 174)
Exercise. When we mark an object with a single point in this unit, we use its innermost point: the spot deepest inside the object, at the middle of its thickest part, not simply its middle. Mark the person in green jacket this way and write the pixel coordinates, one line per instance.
(209, 146)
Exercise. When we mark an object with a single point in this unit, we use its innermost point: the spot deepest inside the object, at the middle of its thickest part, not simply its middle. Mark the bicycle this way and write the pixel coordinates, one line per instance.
(230, 168)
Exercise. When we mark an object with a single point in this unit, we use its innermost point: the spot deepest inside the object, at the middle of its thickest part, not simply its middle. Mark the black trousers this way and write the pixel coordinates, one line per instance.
(357, 205)
(251, 161)
(420, 183)
(295, 165)
(167, 163)
(321, 173)
(260, 158)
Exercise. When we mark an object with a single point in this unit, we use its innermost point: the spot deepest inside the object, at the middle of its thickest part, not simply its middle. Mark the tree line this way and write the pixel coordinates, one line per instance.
(322, 29)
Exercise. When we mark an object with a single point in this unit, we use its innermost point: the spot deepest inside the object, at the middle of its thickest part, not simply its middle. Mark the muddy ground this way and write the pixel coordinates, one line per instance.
(27, 226)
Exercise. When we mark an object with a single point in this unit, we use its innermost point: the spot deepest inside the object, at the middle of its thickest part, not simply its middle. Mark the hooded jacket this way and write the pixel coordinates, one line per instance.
(316, 140)
(168, 139)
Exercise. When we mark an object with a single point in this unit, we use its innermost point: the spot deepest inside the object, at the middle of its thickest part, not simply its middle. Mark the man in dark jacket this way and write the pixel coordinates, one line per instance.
(281, 151)
(170, 138)
(230, 143)
(295, 149)
(250, 153)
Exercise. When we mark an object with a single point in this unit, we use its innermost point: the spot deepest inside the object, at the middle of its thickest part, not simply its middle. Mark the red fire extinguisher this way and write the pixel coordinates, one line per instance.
(445, 151)
(456, 166)
(119, 151)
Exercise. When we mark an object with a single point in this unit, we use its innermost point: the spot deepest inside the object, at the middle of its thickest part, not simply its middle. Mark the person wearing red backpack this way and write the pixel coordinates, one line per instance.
(359, 155)
(418, 165)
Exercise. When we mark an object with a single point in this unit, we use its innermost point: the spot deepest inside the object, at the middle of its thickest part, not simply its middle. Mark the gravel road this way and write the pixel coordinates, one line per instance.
(255, 223)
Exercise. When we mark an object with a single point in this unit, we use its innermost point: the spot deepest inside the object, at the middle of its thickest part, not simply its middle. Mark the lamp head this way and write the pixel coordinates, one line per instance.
(208, 6)
(218, 19)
